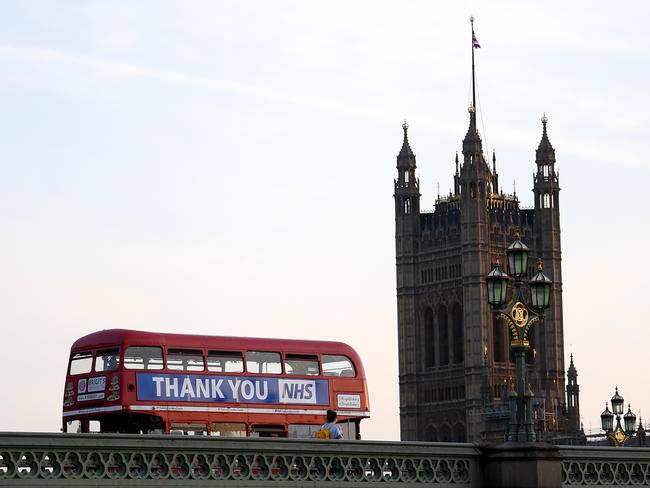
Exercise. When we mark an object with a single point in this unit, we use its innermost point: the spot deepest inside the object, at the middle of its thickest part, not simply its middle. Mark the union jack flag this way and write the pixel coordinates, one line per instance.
(475, 43)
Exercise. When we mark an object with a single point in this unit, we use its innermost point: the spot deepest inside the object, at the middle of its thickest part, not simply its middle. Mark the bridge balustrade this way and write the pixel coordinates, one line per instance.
(40, 459)
(605, 466)
(33, 459)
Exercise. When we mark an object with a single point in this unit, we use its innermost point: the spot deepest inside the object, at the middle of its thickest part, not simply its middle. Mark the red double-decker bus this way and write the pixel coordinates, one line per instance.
(142, 382)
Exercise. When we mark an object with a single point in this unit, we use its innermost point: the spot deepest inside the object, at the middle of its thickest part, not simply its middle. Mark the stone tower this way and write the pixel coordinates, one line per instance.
(455, 367)
(573, 400)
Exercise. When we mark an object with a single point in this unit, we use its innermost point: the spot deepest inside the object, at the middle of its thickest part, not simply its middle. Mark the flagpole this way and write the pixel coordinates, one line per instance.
(471, 19)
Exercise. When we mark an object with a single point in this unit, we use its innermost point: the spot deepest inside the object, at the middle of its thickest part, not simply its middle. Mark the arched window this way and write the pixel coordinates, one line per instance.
(457, 331)
(407, 206)
(429, 344)
(443, 336)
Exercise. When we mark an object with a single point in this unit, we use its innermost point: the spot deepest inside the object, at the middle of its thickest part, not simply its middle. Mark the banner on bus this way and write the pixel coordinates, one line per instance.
(231, 389)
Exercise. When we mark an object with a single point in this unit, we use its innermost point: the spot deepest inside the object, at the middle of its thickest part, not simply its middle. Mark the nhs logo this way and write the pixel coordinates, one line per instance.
(297, 391)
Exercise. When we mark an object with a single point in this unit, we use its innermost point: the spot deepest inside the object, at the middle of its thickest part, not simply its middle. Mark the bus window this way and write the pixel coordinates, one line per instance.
(81, 363)
(337, 366)
(107, 360)
(188, 429)
(94, 426)
(268, 431)
(298, 364)
(73, 426)
(263, 362)
(225, 362)
(143, 357)
(184, 360)
(303, 431)
(228, 429)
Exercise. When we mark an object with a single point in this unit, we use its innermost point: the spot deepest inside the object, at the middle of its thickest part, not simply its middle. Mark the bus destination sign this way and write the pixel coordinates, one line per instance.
(231, 389)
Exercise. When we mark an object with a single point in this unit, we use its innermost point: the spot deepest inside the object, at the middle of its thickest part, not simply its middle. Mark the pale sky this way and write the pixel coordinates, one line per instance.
(226, 168)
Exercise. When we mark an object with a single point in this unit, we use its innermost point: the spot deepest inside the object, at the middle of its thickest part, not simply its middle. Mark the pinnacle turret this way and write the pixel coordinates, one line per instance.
(495, 176)
(472, 143)
(406, 180)
(572, 372)
(406, 157)
(545, 153)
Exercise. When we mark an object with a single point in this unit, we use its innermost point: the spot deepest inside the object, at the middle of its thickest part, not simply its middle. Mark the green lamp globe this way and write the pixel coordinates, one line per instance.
(497, 285)
(517, 258)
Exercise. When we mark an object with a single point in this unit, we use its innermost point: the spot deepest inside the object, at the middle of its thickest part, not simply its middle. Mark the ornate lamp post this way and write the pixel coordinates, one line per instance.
(520, 316)
(618, 435)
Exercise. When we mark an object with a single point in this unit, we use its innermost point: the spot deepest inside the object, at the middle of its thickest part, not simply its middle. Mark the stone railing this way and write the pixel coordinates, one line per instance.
(605, 466)
(33, 459)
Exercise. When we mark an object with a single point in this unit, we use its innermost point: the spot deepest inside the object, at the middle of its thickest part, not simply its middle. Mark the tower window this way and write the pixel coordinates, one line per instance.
(457, 331)
(429, 344)
(406, 176)
(443, 336)
(407, 206)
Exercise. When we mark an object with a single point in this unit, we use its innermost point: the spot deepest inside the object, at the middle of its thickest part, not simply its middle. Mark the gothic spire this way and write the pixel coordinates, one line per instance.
(406, 158)
(545, 151)
(572, 368)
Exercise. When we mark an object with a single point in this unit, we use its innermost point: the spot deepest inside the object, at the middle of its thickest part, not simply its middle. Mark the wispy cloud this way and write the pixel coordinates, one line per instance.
(115, 70)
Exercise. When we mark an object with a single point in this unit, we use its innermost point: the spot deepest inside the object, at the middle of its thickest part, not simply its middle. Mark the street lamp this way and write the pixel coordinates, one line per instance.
(520, 316)
(619, 434)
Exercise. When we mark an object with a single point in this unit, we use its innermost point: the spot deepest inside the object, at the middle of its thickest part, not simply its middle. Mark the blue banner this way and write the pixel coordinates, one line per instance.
(231, 389)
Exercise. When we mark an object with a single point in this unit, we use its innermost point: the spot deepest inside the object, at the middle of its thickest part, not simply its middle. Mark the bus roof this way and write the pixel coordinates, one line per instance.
(114, 337)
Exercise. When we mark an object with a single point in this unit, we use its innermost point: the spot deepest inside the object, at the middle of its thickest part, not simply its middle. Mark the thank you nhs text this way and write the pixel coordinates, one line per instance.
(231, 389)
